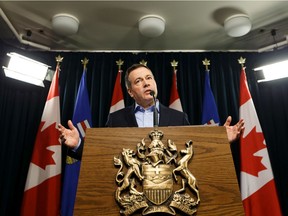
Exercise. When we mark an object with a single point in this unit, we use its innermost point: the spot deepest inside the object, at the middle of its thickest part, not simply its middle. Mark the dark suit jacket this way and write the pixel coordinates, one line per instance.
(126, 117)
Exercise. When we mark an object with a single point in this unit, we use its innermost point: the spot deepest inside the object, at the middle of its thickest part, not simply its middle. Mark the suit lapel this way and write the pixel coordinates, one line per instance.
(130, 117)
(164, 117)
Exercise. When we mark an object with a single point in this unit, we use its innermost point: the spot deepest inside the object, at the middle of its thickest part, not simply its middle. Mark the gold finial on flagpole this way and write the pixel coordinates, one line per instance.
(242, 61)
(85, 62)
(143, 62)
(59, 59)
(120, 62)
(174, 64)
(206, 62)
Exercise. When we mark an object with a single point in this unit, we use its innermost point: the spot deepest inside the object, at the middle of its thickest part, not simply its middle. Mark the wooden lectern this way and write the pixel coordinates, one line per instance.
(212, 165)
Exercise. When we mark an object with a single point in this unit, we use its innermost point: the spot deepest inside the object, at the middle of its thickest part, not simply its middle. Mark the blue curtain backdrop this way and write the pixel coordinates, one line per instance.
(21, 104)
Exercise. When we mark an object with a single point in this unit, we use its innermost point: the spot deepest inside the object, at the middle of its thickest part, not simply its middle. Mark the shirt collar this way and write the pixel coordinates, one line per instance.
(151, 108)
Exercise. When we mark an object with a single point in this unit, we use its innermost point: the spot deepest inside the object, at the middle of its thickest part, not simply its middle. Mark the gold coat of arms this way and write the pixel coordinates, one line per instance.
(147, 175)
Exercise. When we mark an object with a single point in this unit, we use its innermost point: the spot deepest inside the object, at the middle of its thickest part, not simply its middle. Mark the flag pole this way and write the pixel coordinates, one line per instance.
(85, 61)
(174, 64)
(242, 61)
(59, 60)
(206, 62)
(143, 62)
(119, 63)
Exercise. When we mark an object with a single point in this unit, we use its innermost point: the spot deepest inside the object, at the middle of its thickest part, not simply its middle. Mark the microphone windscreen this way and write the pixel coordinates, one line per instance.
(152, 93)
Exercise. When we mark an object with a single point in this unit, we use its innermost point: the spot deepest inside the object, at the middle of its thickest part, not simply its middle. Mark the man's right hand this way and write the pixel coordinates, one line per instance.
(69, 137)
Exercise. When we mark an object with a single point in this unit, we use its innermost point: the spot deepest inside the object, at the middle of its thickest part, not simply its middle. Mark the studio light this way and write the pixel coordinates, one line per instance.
(151, 25)
(25, 69)
(274, 71)
(237, 25)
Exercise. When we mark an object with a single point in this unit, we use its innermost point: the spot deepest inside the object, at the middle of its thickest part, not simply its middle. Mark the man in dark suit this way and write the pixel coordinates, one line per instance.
(142, 87)
(126, 117)
(140, 82)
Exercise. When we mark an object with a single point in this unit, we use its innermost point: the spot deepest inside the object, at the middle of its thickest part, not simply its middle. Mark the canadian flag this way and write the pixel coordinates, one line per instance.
(43, 183)
(258, 189)
(117, 98)
(175, 102)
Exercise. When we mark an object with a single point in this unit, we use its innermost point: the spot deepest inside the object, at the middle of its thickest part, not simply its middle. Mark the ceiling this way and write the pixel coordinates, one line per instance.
(113, 25)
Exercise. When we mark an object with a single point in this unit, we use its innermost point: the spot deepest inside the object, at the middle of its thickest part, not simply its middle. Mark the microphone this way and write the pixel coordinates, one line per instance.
(155, 113)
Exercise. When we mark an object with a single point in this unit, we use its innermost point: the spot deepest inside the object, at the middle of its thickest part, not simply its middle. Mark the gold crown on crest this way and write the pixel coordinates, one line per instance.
(156, 135)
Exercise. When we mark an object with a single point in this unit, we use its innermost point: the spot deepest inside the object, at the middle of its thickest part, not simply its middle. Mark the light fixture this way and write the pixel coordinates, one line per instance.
(20, 36)
(65, 24)
(26, 69)
(151, 25)
(274, 71)
(274, 46)
(237, 25)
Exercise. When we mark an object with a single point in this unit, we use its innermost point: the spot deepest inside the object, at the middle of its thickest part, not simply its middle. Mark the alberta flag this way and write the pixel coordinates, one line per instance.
(175, 102)
(82, 120)
(210, 112)
(258, 189)
(117, 98)
(43, 183)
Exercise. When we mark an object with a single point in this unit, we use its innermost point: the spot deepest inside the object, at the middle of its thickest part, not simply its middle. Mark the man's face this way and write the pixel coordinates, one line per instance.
(142, 82)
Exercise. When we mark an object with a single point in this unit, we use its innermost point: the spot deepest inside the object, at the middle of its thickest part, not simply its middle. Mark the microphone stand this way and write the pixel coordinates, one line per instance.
(155, 112)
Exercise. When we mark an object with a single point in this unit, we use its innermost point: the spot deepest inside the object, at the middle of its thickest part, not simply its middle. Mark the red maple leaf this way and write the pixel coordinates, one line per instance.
(48, 137)
(251, 144)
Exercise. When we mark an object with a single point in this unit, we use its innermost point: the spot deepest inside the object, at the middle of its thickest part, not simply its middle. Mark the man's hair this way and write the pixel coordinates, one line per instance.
(129, 70)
